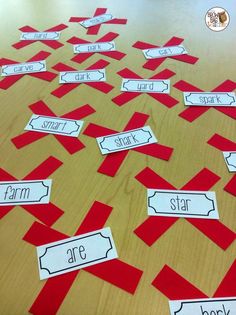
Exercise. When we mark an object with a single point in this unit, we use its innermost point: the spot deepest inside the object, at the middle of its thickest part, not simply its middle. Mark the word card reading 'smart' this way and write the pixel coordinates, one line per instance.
(99, 19)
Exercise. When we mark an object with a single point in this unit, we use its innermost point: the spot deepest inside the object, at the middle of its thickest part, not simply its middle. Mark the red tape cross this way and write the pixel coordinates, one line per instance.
(10, 80)
(50, 43)
(115, 271)
(66, 88)
(79, 58)
(168, 280)
(71, 144)
(46, 213)
(164, 99)
(113, 161)
(193, 112)
(93, 30)
(154, 227)
(153, 64)
(224, 144)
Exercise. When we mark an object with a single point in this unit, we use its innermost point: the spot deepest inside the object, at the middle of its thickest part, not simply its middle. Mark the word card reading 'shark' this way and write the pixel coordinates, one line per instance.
(40, 36)
(230, 160)
(83, 76)
(164, 52)
(99, 19)
(94, 47)
(145, 86)
(75, 253)
(22, 68)
(209, 99)
(180, 203)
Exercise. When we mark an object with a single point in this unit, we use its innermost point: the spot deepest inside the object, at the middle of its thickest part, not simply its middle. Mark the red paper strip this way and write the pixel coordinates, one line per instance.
(113, 161)
(153, 64)
(164, 99)
(154, 227)
(66, 88)
(116, 272)
(50, 43)
(95, 29)
(47, 213)
(227, 286)
(71, 144)
(192, 113)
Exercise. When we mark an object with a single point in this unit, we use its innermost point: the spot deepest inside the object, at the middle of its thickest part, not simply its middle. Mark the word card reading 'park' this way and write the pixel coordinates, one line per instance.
(99, 19)
(75, 253)
(181, 203)
(145, 86)
(230, 160)
(126, 140)
(25, 192)
(164, 52)
(216, 306)
(83, 76)
(22, 68)
(209, 99)
(94, 47)
(40, 36)
(54, 125)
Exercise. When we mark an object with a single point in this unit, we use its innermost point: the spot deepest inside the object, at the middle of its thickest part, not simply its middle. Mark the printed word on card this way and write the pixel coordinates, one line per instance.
(230, 160)
(75, 253)
(83, 76)
(99, 19)
(209, 99)
(40, 36)
(145, 86)
(180, 203)
(126, 140)
(23, 68)
(54, 125)
(216, 306)
(94, 47)
(25, 192)
(161, 52)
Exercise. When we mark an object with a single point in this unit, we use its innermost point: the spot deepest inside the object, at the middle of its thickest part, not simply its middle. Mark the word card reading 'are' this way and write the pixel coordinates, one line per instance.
(75, 253)
(209, 99)
(181, 203)
(25, 192)
(216, 306)
(167, 51)
(83, 76)
(94, 47)
(99, 19)
(40, 36)
(126, 140)
(230, 160)
(145, 86)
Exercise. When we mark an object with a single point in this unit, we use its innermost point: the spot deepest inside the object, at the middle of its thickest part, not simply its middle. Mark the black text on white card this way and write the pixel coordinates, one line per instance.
(94, 47)
(40, 36)
(161, 52)
(83, 76)
(209, 99)
(24, 68)
(99, 19)
(145, 86)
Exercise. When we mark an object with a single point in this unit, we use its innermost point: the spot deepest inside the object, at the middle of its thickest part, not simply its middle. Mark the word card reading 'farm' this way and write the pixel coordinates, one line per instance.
(99, 19)
(209, 99)
(25, 192)
(83, 76)
(181, 203)
(126, 140)
(40, 36)
(230, 160)
(22, 68)
(164, 52)
(94, 47)
(75, 253)
(145, 86)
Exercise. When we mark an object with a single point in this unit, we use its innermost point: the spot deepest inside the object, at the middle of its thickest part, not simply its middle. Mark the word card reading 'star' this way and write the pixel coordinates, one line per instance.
(230, 160)
(167, 51)
(23, 68)
(145, 86)
(99, 19)
(83, 76)
(40, 36)
(94, 47)
(209, 99)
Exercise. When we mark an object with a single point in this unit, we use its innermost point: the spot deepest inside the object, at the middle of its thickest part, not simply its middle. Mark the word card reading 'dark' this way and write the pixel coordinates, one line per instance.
(209, 99)
(23, 68)
(126, 140)
(216, 306)
(181, 203)
(25, 192)
(99, 19)
(40, 36)
(83, 76)
(161, 52)
(54, 125)
(75, 253)
(94, 47)
(145, 86)
(230, 160)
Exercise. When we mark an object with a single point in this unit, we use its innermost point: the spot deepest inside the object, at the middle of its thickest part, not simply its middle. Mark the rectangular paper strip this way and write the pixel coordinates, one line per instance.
(99, 19)
(23, 68)
(94, 47)
(167, 51)
(209, 99)
(145, 86)
(230, 160)
(75, 253)
(40, 36)
(83, 76)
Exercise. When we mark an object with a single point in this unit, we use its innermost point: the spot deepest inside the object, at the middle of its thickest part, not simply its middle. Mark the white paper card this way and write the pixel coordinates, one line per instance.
(209, 99)
(126, 140)
(99, 19)
(25, 192)
(22, 68)
(230, 160)
(161, 52)
(75, 253)
(40, 36)
(182, 203)
(83, 76)
(216, 306)
(145, 86)
(94, 47)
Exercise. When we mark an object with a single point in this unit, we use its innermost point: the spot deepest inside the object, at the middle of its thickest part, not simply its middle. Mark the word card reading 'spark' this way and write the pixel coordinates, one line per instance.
(94, 47)
(230, 160)
(54, 125)
(145, 86)
(209, 99)
(75, 253)
(181, 203)
(23, 68)
(99, 19)
(126, 140)
(40, 36)
(216, 306)
(83, 76)
(153, 53)
(25, 192)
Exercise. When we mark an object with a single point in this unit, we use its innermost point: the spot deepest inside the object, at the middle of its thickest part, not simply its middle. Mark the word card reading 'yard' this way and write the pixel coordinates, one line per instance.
(94, 47)
(181, 203)
(83, 76)
(40, 36)
(164, 52)
(145, 86)
(25, 192)
(75, 253)
(126, 140)
(99, 19)
(209, 99)
(22, 68)
(230, 160)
